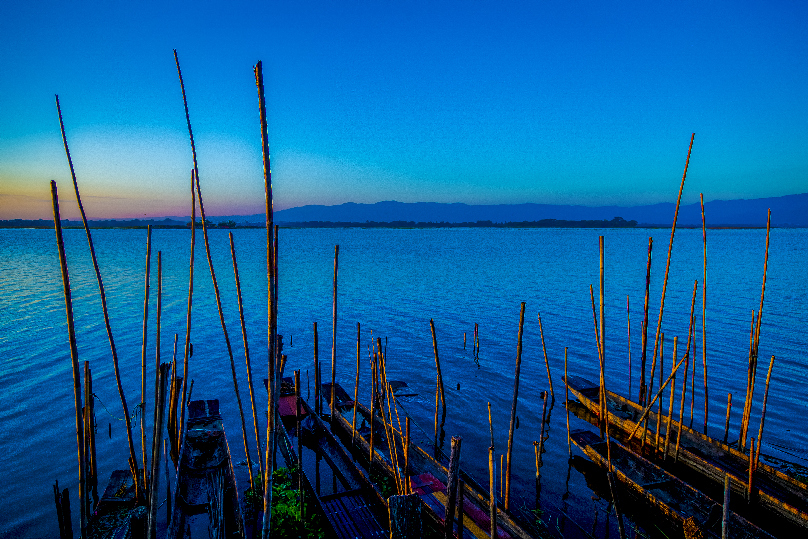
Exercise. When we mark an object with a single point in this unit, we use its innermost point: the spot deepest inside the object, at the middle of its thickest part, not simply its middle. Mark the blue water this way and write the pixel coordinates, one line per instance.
(393, 282)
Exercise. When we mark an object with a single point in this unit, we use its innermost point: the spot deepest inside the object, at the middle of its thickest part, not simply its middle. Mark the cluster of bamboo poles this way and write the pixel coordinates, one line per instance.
(171, 386)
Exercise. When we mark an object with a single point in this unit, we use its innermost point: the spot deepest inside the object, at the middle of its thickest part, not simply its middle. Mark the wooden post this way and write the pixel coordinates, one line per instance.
(546, 362)
(704, 312)
(356, 384)
(334, 339)
(246, 356)
(506, 497)
(492, 493)
(763, 412)
(451, 487)
(567, 402)
(74, 356)
(405, 516)
(643, 389)
(725, 512)
(271, 300)
(104, 309)
(143, 363)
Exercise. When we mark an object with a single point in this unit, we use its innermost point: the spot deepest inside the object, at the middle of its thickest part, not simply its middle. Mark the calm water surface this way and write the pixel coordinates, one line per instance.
(393, 282)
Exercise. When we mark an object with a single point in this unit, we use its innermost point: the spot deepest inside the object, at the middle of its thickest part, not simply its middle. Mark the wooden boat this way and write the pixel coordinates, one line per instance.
(700, 456)
(425, 478)
(205, 499)
(115, 511)
(672, 498)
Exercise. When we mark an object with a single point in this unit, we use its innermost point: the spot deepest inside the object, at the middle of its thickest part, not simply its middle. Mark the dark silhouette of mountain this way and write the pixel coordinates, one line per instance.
(789, 210)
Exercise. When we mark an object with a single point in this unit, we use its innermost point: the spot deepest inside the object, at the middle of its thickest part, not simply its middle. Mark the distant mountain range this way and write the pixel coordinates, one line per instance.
(790, 210)
(787, 211)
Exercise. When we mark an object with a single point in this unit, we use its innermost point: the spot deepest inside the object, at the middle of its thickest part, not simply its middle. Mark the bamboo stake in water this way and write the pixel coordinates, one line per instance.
(750, 382)
(299, 436)
(693, 372)
(704, 312)
(751, 469)
(659, 409)
(602, 335)
(687, 363)
(513, 407)
(437, 366)
(187, 353)
(143, 363)
(246, 357)
(157, 356)
(156, 446)
(451, 488)
(490, 424)
(643, 389)
(567, 402)
(492, 494)
(763, 412)
(133, 458)
(356, 384)
(725, 512)
(726, 424)
(271, 300)
(668, 264)
(89, 437)
(628, 325)
(334, 339)
(597, 342)
(74, 357)
(670, 405)
(317, 380)
(653, 400)
(407, 484)
(546, 361)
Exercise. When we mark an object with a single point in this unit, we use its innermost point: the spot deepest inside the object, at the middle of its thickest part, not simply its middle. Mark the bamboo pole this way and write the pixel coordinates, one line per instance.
(490, 424)
(668, 264)
(659, 409)
(138, 492)
(704, 312)
(546, 361)
(693, 372)
(567, 402)
(628, 325)
(437, 366)
(543, 422)
(725, 512)
(143, 457)
(317, 381)
(643, 389)
(187, 353)
(670, 405)
(407, 483)
(687, 363)
(597, 342)
(157, 356)
(492, 493)
(334, 339)
(652, 401)
(157, 434)
(356, 384)
(451, 487)
(373, 409)
(750, 383)
(74, 357)
(602, 334)
(246, 357)
(299, 435)
(726, 424)
(89, 437)
(763, 412)
(271, 300)
(513, 407)
(751, 469)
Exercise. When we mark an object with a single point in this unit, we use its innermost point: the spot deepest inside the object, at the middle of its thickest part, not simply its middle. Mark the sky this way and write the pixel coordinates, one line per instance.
(478, 101)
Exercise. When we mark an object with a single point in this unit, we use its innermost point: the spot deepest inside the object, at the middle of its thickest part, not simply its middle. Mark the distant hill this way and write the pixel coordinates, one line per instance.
(790, 210)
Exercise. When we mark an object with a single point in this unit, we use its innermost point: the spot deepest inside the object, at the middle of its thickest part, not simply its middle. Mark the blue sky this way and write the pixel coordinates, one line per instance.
(477, 102)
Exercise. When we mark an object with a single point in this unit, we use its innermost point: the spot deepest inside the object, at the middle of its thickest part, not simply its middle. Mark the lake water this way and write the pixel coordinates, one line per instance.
(393, 281)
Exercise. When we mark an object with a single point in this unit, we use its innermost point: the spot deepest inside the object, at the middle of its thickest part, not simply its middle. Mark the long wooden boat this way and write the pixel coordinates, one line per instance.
(672, 498)
(113, 515)
(205, 499)
(425, 478)
(699, 455)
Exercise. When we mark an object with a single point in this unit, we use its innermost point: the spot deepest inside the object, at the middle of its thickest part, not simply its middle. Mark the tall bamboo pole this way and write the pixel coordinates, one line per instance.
(668, 264)
(132, 457)
(334, 338)
(144, 459)
(187, 353)
(356, 384)
(763, 412)
(684, 380)
(271, 300)
(159, 315)
(628, 325)
(218, 296)
(74, 356)
(653, 400)
(159, 405)
(492, 493)
(506, 500)
(643, 389)
(437, 366)
(597, 343)
(567, 402)
(602, 337)
(704, 312)
(670, 404)
(726, 424)
(546, 361)
(246, 355)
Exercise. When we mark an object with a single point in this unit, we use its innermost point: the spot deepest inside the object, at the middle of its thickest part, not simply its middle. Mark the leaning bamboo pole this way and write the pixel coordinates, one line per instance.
(132, 456)
(763, 412)
(271, 300)
(506, 500)
(597, 343)
(668, 264)
(246, 356)
(187, 353)
(74, 357)
(546, 361)
(704, 312)
(684, 380)
(437, 366)
(653, 400)
(670, 404)
(142, 405)
(643, 390)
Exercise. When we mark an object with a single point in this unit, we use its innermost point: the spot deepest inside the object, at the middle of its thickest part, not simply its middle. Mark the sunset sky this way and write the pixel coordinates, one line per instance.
(479, 102)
